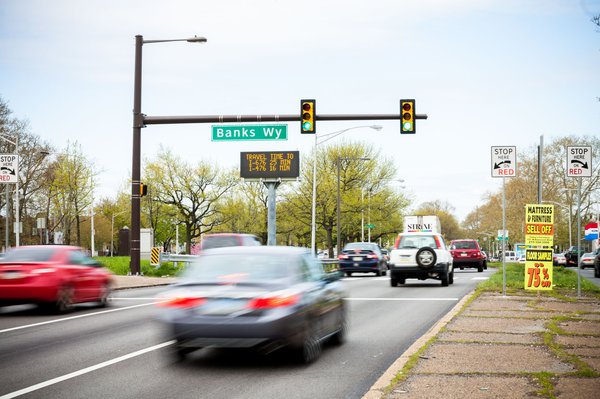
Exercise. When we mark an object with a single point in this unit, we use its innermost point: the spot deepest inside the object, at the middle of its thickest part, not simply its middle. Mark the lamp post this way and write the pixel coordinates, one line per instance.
(568, 208)
(339, 202)
(138, 123)
(17, 223)
(326, 137)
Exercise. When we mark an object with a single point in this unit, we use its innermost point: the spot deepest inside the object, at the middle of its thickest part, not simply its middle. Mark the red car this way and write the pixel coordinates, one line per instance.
(466, 253)
(52, 276)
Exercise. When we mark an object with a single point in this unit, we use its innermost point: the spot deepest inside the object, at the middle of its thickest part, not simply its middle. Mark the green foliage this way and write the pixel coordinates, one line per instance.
(119, 265)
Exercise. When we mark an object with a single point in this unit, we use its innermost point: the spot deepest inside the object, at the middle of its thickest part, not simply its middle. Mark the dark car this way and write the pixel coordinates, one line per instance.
(572, 256)
(466, 253)
(220, 240)
(52, 276)
(363, 257)
(261, 297)
(597, 263)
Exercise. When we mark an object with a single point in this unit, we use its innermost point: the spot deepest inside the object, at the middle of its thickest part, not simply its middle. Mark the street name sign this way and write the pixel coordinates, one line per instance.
(9, 168)
(249, 132)
(579, 161)
(270, 165)
(504, 161)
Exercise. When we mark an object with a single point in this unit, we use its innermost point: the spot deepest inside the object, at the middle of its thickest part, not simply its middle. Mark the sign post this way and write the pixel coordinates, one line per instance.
(579, 164)
(270, 168)
(504, 164)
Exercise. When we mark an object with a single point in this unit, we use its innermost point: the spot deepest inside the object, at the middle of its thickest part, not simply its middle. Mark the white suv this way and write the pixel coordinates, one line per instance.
(421, 256)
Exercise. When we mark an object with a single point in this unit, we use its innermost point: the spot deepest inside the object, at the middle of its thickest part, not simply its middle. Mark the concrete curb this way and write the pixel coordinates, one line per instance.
(377, 390)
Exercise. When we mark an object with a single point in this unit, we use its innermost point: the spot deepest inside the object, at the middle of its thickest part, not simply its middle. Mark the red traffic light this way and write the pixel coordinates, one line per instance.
(406, 107)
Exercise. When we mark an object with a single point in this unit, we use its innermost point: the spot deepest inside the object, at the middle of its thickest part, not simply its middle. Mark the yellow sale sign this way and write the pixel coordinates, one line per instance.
(538, 269)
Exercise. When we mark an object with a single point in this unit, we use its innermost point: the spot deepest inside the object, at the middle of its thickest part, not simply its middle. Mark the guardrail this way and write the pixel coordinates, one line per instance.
(329, 264)
(175, 258)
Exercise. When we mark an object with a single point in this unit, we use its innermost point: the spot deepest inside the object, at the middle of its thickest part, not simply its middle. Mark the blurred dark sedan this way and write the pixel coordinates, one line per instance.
(52, 276)
(262, 297)
(365, 257)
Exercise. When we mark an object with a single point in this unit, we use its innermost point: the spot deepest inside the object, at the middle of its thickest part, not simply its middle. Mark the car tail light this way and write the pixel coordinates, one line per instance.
(274, 301)
(180, 302)
(343, 256)
(373, 256)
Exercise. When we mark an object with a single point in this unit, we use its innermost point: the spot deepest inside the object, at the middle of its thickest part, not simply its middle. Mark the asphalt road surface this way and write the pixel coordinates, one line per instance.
(120, 351)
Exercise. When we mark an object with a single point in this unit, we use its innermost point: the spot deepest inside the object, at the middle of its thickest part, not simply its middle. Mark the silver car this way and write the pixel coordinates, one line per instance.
(263, 297)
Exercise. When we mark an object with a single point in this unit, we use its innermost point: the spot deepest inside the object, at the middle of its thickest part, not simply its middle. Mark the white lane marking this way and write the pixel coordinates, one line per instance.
(480, 278)
(74, 317)
(84, 371)
(135, 299)
(401, 299)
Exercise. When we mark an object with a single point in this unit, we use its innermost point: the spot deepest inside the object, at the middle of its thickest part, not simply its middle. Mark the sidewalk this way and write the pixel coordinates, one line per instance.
(124, 282)
(491, 346)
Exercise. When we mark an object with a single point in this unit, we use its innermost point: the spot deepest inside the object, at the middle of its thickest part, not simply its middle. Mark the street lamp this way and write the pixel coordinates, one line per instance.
(339, 202)
(17, 222)
(326, 137)
(568, 208)
(138, 123)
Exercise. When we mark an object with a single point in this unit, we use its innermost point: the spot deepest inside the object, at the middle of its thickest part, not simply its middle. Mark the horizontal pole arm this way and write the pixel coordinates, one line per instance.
(164, 120)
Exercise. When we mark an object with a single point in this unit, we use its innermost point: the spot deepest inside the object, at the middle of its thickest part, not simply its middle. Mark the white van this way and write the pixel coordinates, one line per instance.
(510, 256)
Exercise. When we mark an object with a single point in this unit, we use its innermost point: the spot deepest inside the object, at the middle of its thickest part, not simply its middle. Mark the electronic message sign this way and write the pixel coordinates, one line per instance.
(270, 165)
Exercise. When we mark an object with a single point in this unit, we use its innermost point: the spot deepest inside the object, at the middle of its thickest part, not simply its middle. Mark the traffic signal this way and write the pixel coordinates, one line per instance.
(407, 116)
(307, 111)
(143, 189)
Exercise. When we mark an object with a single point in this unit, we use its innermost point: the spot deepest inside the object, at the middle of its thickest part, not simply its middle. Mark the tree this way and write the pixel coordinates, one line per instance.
(557, 188)
(444, 211)
(73, 184)
(196, 193)
(362, 171)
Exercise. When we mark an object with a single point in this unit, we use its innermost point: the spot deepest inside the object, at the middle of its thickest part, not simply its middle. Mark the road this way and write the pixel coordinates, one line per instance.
(120, 352)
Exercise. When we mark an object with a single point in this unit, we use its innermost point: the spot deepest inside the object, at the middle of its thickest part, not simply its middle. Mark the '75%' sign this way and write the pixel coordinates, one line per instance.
(504, 161)
(9, 168)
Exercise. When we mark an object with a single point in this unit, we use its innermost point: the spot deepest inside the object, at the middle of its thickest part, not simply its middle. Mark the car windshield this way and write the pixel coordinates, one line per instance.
(420, 241)
(465, 245)
(360, 245)
(24, 254)
(219, 242)
(239, 268)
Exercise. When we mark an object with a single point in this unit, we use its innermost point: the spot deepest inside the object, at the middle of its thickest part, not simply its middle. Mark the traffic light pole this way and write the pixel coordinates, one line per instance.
(167, 120)
(140, 120)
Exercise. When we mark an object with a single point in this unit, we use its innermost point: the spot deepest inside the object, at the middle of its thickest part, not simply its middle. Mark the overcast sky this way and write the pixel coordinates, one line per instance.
(487, 73)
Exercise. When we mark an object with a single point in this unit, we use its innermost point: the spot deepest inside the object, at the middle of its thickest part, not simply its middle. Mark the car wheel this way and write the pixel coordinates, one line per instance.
(105, 295)
(480, 268)
(596, 272)
(64, 299)
(310, 350)
(426, 258)
(393, 282)
(485, 265)
(349, 274)
(444, 277)
(378, 273)
(451, 277)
